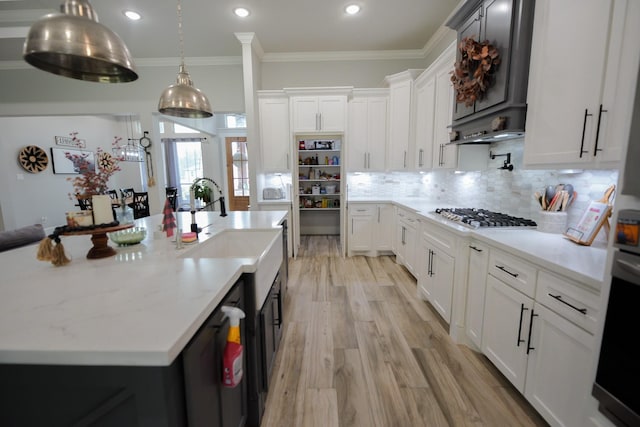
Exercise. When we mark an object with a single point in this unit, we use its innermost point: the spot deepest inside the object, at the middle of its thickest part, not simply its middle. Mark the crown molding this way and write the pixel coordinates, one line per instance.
(371, 55)
(441, 34)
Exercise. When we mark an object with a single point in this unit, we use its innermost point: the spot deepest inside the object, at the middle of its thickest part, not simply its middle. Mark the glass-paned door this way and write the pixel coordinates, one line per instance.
(238, 173)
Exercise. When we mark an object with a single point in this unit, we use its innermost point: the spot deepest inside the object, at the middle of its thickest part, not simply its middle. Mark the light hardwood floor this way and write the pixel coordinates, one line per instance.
(360, 349)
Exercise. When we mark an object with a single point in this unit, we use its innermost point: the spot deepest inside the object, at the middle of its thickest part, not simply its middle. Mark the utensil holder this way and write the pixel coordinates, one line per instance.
(552, 222)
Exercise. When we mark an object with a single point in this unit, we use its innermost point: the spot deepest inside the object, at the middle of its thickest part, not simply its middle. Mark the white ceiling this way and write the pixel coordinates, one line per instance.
(281, 26)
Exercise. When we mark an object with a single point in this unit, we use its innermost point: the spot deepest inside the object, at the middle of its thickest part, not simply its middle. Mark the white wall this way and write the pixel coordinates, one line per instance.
(361, 74)
(30, 91)
(26, 198)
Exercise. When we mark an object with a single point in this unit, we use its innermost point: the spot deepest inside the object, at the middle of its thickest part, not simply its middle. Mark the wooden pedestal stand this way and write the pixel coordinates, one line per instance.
(100, 241)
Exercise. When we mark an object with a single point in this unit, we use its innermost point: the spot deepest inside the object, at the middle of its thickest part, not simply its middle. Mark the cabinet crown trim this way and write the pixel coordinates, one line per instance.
(337, 90)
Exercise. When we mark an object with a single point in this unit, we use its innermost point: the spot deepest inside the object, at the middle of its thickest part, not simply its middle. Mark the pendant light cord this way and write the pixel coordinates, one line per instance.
(180, 35)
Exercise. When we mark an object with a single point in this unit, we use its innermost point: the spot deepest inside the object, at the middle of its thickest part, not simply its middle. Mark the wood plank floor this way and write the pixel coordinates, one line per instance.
(359, 349)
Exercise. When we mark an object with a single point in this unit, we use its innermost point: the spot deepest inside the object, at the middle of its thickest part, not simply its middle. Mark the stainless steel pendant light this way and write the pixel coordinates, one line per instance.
(183, 99)
(74, 44)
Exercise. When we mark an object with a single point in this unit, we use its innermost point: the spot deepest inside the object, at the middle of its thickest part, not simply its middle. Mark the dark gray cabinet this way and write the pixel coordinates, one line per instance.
(491, 20)
(208, 402)
(271, 330)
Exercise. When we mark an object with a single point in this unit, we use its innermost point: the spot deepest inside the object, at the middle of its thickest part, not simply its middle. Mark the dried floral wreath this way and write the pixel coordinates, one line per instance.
(473, 74)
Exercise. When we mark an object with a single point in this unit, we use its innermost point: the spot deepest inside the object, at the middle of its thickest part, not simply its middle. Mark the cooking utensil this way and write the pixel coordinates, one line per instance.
(538, 198)
(549, 192)
(565, 200)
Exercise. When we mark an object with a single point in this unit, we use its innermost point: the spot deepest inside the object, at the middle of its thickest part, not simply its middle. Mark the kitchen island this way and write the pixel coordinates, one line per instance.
(137, 309)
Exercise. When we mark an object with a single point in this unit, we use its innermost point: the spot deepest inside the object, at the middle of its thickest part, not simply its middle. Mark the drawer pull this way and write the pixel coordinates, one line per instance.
(476, 249)
(559, 298)
(507, 271)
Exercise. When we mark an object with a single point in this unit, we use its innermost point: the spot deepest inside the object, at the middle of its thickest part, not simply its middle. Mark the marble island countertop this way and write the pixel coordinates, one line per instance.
(554, 252)
(139, 307)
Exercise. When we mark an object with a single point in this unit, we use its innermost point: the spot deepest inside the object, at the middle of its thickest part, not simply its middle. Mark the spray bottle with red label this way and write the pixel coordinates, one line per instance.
(232, 358)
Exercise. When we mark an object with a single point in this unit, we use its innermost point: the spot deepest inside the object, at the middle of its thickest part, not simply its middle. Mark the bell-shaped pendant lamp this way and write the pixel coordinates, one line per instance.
(183, 99)
(74, 44)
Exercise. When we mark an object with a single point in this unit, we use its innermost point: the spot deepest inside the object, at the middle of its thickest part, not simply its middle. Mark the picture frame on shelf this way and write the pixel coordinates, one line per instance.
(70, 162)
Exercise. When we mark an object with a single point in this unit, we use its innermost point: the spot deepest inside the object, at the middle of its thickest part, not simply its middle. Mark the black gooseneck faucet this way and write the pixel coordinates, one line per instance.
(223, 209)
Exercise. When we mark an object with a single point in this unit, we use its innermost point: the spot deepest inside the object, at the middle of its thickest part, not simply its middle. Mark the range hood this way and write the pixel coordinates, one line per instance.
(499, 113)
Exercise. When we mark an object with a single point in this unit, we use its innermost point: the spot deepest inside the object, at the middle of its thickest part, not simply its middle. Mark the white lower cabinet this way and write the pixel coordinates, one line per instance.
(505, 331)
(536, 342)
(435, 278)
(558, 368)
(370, 228)
(406, 239)
(436, 263)
(476, 287)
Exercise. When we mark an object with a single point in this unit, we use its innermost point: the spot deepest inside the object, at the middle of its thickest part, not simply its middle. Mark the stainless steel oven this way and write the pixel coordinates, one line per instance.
(618, 373)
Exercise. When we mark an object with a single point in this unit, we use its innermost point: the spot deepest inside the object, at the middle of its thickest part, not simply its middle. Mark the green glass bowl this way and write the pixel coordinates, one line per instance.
(129, 236)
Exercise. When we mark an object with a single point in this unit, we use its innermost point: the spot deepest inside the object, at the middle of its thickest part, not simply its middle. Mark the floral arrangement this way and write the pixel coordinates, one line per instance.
(93, 179)
(473, 73)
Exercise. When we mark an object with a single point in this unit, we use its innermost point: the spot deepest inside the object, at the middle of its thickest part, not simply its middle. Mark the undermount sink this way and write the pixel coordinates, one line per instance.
(261, 249)
(235, 244)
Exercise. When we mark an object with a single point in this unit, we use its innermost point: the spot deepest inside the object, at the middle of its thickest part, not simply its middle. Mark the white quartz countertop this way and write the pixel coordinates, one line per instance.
(139, 307)
(554, 252)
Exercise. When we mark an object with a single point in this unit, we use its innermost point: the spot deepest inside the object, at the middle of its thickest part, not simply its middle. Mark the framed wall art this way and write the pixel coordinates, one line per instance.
(70, 161)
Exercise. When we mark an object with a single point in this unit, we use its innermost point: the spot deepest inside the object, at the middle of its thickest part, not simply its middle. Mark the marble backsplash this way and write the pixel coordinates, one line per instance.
(504, 191)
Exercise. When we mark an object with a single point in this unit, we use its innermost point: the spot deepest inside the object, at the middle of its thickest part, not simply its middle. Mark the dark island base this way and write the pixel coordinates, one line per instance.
(47, 395)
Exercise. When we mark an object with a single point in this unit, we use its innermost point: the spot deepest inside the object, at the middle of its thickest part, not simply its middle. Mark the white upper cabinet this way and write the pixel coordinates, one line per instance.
(367, 131)
(321, 113)
(581, 82)
(447, 154)
(275, 136)
(401, 97)
(433, 114)
(425, 115)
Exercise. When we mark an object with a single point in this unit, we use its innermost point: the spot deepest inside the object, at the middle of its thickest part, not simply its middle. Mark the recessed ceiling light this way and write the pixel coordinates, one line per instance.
(241, 12)
(134, 16)
(352, 9)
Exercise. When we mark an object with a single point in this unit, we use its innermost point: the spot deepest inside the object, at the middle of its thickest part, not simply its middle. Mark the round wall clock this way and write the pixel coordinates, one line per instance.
(33, 159)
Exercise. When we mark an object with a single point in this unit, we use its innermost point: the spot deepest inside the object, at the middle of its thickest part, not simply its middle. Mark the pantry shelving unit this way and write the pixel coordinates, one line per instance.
(319, 186)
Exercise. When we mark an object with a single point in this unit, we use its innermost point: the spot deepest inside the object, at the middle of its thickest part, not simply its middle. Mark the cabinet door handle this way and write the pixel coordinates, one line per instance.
(522, 310)
(368, 160)
(420, 157)
(559, 298)
(404, 161)
(431, 273)
(319, 121)
(595, 151)
(378, 214)
(351, 226)
(403, 231)
(584, 129)
(507, 271)
(278, 320)
(475, 249)
(529, 348)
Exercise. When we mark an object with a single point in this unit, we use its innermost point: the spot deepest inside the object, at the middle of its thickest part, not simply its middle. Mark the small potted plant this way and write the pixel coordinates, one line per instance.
(203, 192)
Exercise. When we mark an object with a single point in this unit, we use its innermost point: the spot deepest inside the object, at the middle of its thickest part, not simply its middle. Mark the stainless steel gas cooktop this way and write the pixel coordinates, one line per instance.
(477, 218)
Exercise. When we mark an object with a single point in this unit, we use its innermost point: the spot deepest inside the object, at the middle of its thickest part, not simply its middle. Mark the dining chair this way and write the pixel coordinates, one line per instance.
(127, 195)
(84, 202)
(172, 195)
(114, 197)
(140, 205)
